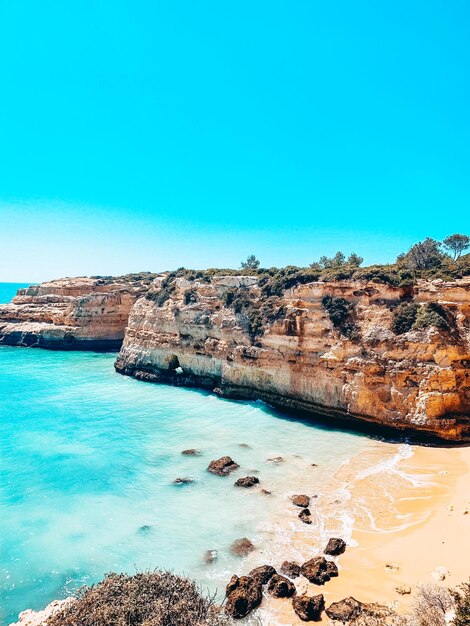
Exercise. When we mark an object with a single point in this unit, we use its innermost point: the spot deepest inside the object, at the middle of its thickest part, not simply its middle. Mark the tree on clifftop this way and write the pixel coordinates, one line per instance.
(423, 255)
(251, 263)
(456, 244)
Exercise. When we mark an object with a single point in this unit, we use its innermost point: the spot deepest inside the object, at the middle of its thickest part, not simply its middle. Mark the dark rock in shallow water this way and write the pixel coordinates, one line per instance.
(309, 608)
(244, 445)
(222, 466)
(291, 569)
(275, 459)
(242, 547)
(191, 452)
(183, 481)
(344, 610)
(335, 546)
(301, 500)
(247, 481)
(143, 530)
(281, 587)
(262, 573)
(210, 556)
(318, 570)
(266, 492)
(243, 595)
(305, 516)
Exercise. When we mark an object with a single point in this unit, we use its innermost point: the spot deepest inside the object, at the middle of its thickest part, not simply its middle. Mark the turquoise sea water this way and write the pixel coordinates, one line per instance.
(87, 463)
(8, 290)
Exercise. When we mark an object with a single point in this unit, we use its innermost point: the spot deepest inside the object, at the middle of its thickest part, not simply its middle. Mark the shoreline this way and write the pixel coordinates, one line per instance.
(410, 520)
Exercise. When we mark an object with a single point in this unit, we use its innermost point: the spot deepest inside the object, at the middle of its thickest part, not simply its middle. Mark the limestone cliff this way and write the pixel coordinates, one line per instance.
(394, 356)
(71, 313)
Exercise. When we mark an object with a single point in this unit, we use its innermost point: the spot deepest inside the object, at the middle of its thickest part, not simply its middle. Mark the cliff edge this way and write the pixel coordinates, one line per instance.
(72, 313)
(396, 356)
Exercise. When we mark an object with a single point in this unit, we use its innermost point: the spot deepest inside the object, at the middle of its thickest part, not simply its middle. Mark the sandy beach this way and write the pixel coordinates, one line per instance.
(410, 507)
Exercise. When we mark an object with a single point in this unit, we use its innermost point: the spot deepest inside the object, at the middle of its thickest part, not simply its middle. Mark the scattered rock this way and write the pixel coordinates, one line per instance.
(318, 570)
(262, 573)
(305, 516)
(440, 573)
(243, 595)
(244, 445)
(403, 590)
(143, 530)
(313, 464)
(291, 569)
(275, 459)
(345, 610)
(247, 481)
(309, 608)
(301, 500)
(222, 466)
(183, 481)
(210, 556)
(266, 492)
(242, 547)
(281, 587)
(335, 546)
(393, 567)
(191, 452)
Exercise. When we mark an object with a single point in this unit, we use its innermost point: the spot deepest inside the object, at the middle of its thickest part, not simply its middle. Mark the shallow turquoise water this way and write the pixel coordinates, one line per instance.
(8, 290)
(87, 463)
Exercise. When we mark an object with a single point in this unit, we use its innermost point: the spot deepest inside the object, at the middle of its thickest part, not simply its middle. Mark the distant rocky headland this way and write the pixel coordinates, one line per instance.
(380, 344)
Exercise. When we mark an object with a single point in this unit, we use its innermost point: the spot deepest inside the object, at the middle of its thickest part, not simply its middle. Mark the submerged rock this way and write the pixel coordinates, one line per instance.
(242, 547)
(222, 466)
(263, 573)
(183, 481)
(266, 492)
(247, 481)
(275, 459)
(345, 610)
(191, 452)
(291, 569)
(301, 500)
(309, 608)
(335, 546)
(210, 556)
(305, 516)
(243, 595)
(143, 530)
(318, 570)
(280, 587)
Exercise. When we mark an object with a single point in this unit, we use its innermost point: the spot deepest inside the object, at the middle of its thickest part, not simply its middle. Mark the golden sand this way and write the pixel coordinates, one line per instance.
(411, 512)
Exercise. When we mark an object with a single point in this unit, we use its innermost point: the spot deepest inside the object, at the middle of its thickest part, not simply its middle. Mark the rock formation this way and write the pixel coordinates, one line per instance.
(329, 348)
(71, 313)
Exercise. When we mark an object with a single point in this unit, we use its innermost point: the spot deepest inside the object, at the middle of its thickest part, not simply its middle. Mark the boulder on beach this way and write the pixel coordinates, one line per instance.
(191, 452)
(345, 610)
(222, 466)
(262, 573)
(305, 516)
(247, 481)
(281, 587)
(242, 547)
(243, 595)
(291, 569)
(309, 608)
(318, 570)
(335, 546)
(301, 500)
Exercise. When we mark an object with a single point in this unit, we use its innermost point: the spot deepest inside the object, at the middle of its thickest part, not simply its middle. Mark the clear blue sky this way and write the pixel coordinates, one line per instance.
(147, 135)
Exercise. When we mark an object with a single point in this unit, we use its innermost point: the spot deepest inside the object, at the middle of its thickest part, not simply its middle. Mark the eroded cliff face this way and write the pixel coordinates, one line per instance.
(418, 380)
(70, 314)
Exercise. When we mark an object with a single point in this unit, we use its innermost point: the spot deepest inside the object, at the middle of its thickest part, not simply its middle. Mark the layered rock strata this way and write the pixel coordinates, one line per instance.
(192, 332)
(70, 314)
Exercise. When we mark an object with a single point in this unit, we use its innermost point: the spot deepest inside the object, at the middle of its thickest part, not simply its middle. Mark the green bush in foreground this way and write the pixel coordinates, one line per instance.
(145, 599)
